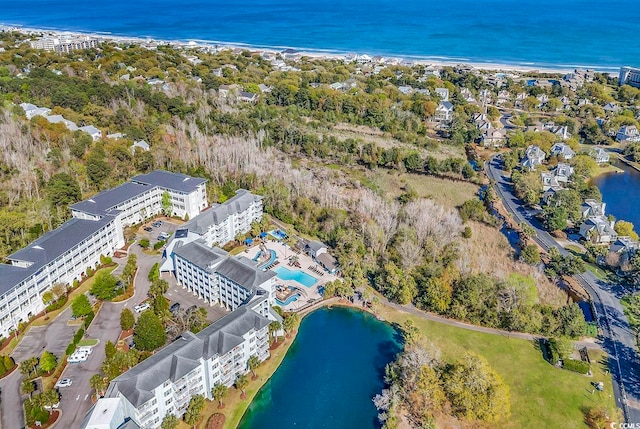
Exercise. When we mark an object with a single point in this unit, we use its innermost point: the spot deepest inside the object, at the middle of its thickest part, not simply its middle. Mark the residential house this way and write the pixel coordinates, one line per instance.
(562, 132)
(611, 108)
(443, 93)
(504, 97)
(143, 145)
(319, 252)
(264, 88)
(31, 110)
(493, 137)
(549, 182)
(467, 95)
(248, 97)
(598, 230)
(116, 136)
(533, 157)
(628, 133)
(58, 119)
(562, 172)
(600, 155)
(563, 150)
(621, 252)
(592, 208)
(444, 112)
(95, 133)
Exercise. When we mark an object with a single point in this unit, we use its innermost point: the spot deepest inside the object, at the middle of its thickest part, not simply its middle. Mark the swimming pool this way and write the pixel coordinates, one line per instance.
(278, 234)
(296, 275)
(288, 301)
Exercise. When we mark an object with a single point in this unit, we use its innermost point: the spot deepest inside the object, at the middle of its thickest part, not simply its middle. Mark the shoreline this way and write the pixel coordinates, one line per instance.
(406, 59)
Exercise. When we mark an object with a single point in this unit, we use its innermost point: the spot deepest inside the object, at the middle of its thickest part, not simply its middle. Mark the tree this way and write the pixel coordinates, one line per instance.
(409, 332)
(555, 217)
(290, 322)
(28, 366)
(63, 190)
(49, 398)
(253, 363)
(219, 391)
(154, 272)
(158, 288)
(48, 361)
(105, 286)
(169, 422)
(81, 306)
(274, 327)
(475, 390)
(109, 349)
(99, 383)
(194, 410)
(47, 298)
(624, 228)
(241, 383)
(27, 387)
(530, 254)
(127, 319)
(149, 333)
(166, 203)
(144, 243)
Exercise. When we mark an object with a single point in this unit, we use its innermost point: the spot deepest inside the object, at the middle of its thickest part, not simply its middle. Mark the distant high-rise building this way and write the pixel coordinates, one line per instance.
(629, 76)
(64, 45)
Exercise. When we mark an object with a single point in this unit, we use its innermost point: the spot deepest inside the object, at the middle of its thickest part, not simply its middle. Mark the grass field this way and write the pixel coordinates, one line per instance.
(542, 396)
(449, 193)
(88, 342)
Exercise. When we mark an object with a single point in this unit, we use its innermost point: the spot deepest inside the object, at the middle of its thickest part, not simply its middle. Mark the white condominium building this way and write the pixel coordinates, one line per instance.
(59, 256)
(216, 277)
(165, 382)
(223, 222)
(97, 228)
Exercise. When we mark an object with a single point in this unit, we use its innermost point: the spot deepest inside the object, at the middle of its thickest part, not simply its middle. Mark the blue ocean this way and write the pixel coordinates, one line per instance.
(531, 33)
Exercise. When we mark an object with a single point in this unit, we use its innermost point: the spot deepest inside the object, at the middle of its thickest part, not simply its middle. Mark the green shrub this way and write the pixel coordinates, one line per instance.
(78, 336)
(3, 370)
(56, 305)
(158, 245)
(576, 366)
(9, 362)
(105, 260)
(144, 243)
(89, 319)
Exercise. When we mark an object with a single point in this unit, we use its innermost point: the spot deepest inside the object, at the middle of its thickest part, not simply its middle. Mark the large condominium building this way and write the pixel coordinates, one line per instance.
(64, 45)
(629, 76)
(216, 277)
(65, 254)
(223, 222)
(165, 382)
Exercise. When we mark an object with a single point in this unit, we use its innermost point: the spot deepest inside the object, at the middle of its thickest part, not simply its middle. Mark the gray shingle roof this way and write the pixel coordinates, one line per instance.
(201, 255)
(47, 248)
(218, 213)
(182, 356)
(174, 181)
(243, 271)
(102, 202)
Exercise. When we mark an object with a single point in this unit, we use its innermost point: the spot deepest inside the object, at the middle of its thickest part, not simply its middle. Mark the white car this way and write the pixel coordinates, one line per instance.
(64, 382)
(78, 356)
(141, 307)
(85, 349)
(52, 407)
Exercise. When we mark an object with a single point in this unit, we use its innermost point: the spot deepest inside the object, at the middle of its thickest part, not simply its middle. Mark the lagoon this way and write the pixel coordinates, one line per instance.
(330, 374)
(621, 192)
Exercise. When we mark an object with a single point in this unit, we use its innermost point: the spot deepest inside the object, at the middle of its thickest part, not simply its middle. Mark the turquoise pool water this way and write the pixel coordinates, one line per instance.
(331, 372)
(288, 301)
(295, 275)
(278, 234)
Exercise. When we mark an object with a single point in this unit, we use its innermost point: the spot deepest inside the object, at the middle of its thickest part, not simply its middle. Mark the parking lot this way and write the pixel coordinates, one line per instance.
(54, 337)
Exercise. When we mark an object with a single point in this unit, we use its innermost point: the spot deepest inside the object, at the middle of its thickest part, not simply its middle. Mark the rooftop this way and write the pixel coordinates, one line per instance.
(102, 202)
(219, 212)
(174, 181)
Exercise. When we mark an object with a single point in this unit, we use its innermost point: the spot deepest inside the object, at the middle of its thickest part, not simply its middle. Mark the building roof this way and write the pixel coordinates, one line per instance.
(328, 261)
(198, 253)
(47, 248)
(182, 356)
(105, 200)
(217, 214)
(243, 271)
(316, 245)
(90, 129)
(174, 181)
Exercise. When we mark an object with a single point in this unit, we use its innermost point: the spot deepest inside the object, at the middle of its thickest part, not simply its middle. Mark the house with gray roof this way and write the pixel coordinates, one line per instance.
(598, 230)
(95, 133)
(58, 119)
(31, 110)
(444, 112)
(628, 134)
(165, 382)
(143, 145)
(600, 155)
(533, 157)
(563, 150)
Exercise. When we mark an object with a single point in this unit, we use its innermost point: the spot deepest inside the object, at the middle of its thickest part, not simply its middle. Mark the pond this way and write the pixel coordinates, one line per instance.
(329, 376)
(621, 192)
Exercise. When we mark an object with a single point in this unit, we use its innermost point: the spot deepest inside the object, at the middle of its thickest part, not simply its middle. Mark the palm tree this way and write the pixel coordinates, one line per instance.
(274, 327)
(241, 382)
(289, 323)
(27, 387)
(218, 392)
(99, 383)
(253, 363)
(50, 397)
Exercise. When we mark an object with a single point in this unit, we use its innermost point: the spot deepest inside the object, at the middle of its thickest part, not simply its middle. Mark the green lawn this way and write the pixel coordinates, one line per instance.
(598, 272)
(541, 396)
(89, 342)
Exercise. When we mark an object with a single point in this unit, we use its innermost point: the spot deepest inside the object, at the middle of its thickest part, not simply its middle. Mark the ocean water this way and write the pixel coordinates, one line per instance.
(531, 33)
(330, 374)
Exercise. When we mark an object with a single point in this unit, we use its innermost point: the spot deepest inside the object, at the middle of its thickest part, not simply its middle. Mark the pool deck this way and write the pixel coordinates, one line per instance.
(284, 253)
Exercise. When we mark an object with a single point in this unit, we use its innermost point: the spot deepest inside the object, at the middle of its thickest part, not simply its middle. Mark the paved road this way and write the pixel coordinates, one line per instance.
(618, 339)
(76, 399)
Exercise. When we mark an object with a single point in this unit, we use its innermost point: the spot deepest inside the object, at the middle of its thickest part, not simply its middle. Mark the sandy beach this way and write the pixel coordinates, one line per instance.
(323, 54)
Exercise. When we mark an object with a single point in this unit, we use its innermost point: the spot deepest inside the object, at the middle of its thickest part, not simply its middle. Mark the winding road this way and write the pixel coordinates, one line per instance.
(617, 338)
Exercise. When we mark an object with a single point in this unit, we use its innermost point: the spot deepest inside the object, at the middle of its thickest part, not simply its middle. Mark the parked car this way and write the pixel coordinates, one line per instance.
(78, 356)
(163, 236)
(52, 407)
(85, 349)
(174, 307)
(148, 229)
(64, 382)
(141, 307)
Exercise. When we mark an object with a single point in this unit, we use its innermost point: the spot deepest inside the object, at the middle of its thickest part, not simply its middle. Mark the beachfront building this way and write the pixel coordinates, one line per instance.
(97, 228)
(629, 76)
(215, 277)
(193, 364)
(64, 45)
